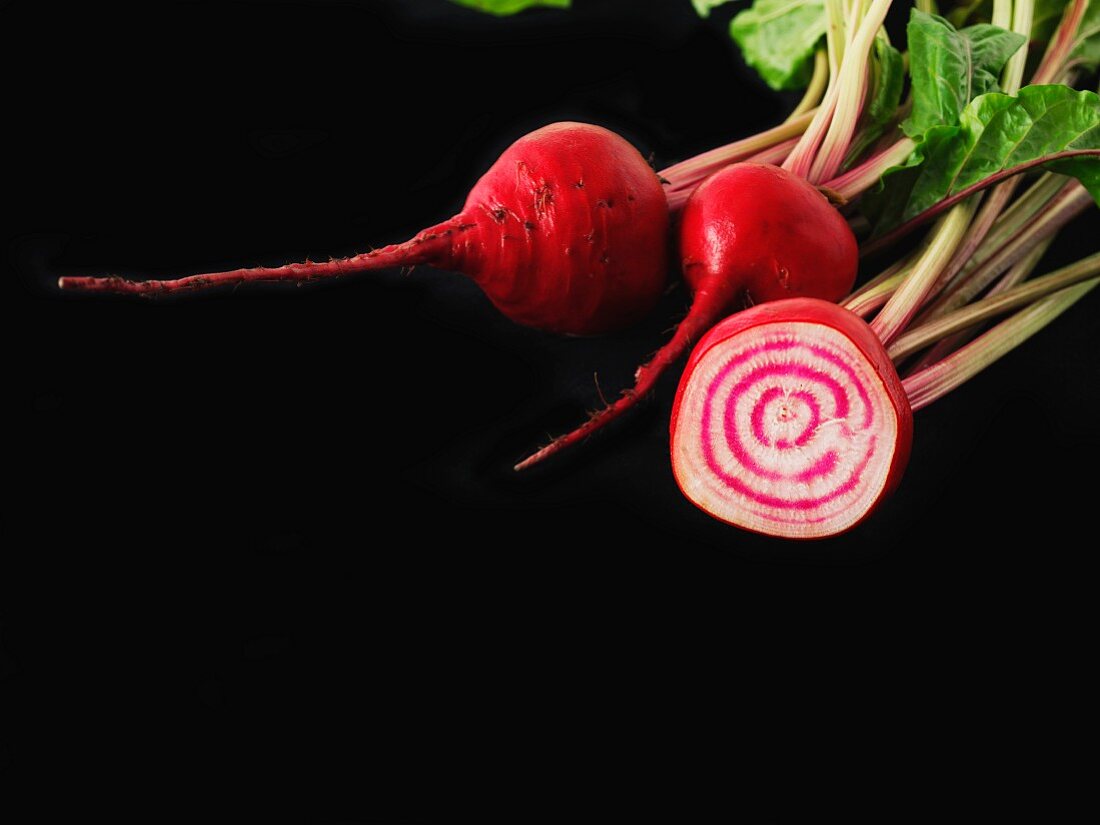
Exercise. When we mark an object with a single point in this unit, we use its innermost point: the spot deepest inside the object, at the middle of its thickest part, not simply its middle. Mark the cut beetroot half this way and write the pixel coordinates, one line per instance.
(790, 420)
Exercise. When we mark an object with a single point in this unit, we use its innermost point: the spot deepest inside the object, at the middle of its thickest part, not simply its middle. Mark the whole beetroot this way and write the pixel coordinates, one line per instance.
(566, 232)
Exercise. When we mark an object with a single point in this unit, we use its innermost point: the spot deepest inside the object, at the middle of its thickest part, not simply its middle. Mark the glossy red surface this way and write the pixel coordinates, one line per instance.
(571, 231)
(760, 232)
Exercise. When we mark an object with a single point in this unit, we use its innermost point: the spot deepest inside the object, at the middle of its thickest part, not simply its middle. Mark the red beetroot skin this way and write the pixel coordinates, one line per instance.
(750, 233)
(848, 324)
(566, 232)
(757, 232)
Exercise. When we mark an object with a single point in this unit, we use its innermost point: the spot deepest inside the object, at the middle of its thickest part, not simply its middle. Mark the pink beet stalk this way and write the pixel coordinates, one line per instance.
(1017, 273)
(852, 83)
(1070, 202)
(859, 179)
(1021, 295)
(1061, 43)
(1024, 223)
(913, 291)
(800, 160)
(938, 380)
(683, 177)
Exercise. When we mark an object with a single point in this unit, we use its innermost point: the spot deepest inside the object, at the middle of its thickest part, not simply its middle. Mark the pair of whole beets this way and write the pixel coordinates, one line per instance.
(568, 232)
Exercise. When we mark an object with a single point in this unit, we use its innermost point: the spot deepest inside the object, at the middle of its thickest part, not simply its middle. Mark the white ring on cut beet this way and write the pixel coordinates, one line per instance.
(787, 430)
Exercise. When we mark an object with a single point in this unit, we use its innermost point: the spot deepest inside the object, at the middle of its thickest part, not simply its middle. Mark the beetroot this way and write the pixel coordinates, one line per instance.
(790, 420)
(750, 233)
(757, 233)
(566, 232)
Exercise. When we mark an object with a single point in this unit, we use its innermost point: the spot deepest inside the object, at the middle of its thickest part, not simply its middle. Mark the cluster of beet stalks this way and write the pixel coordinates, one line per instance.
(792, 417)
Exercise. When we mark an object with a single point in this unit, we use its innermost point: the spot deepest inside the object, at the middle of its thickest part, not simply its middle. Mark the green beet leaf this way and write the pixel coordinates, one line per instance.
(887, 79)
(950, 67)
(502, 7)
(704, 6)
(778, 38)
(996, 134)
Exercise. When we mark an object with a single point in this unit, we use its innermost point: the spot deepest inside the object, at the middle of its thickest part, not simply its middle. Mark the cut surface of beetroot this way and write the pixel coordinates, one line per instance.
(790, 421)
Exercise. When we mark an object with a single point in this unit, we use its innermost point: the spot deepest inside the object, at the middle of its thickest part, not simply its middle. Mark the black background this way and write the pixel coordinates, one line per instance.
(264, 547)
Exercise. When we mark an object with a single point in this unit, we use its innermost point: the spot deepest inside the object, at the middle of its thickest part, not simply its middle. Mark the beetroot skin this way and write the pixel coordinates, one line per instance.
(566, 232)
(570, 232)
(758, 233)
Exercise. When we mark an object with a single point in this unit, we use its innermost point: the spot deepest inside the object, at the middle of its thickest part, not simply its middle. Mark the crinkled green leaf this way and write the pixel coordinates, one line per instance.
(778, 38)
(950, 67)
(1086, 48)
(503, 7)
(995, 133)
(704, 6)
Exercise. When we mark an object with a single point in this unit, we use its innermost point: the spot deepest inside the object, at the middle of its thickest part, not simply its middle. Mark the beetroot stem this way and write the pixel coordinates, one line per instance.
(1070, 202)
(801, 157)
(912, 292)
(816, 88)
(888, 274)
(852, 83)
(936, 381)
(860, 178)
(1036, 214)
(1017, 273)
(877, 293)
(1061, 43)
(992, 206)
(1017, 216)
(685, 176)
(1013, 73)
(920, 337)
